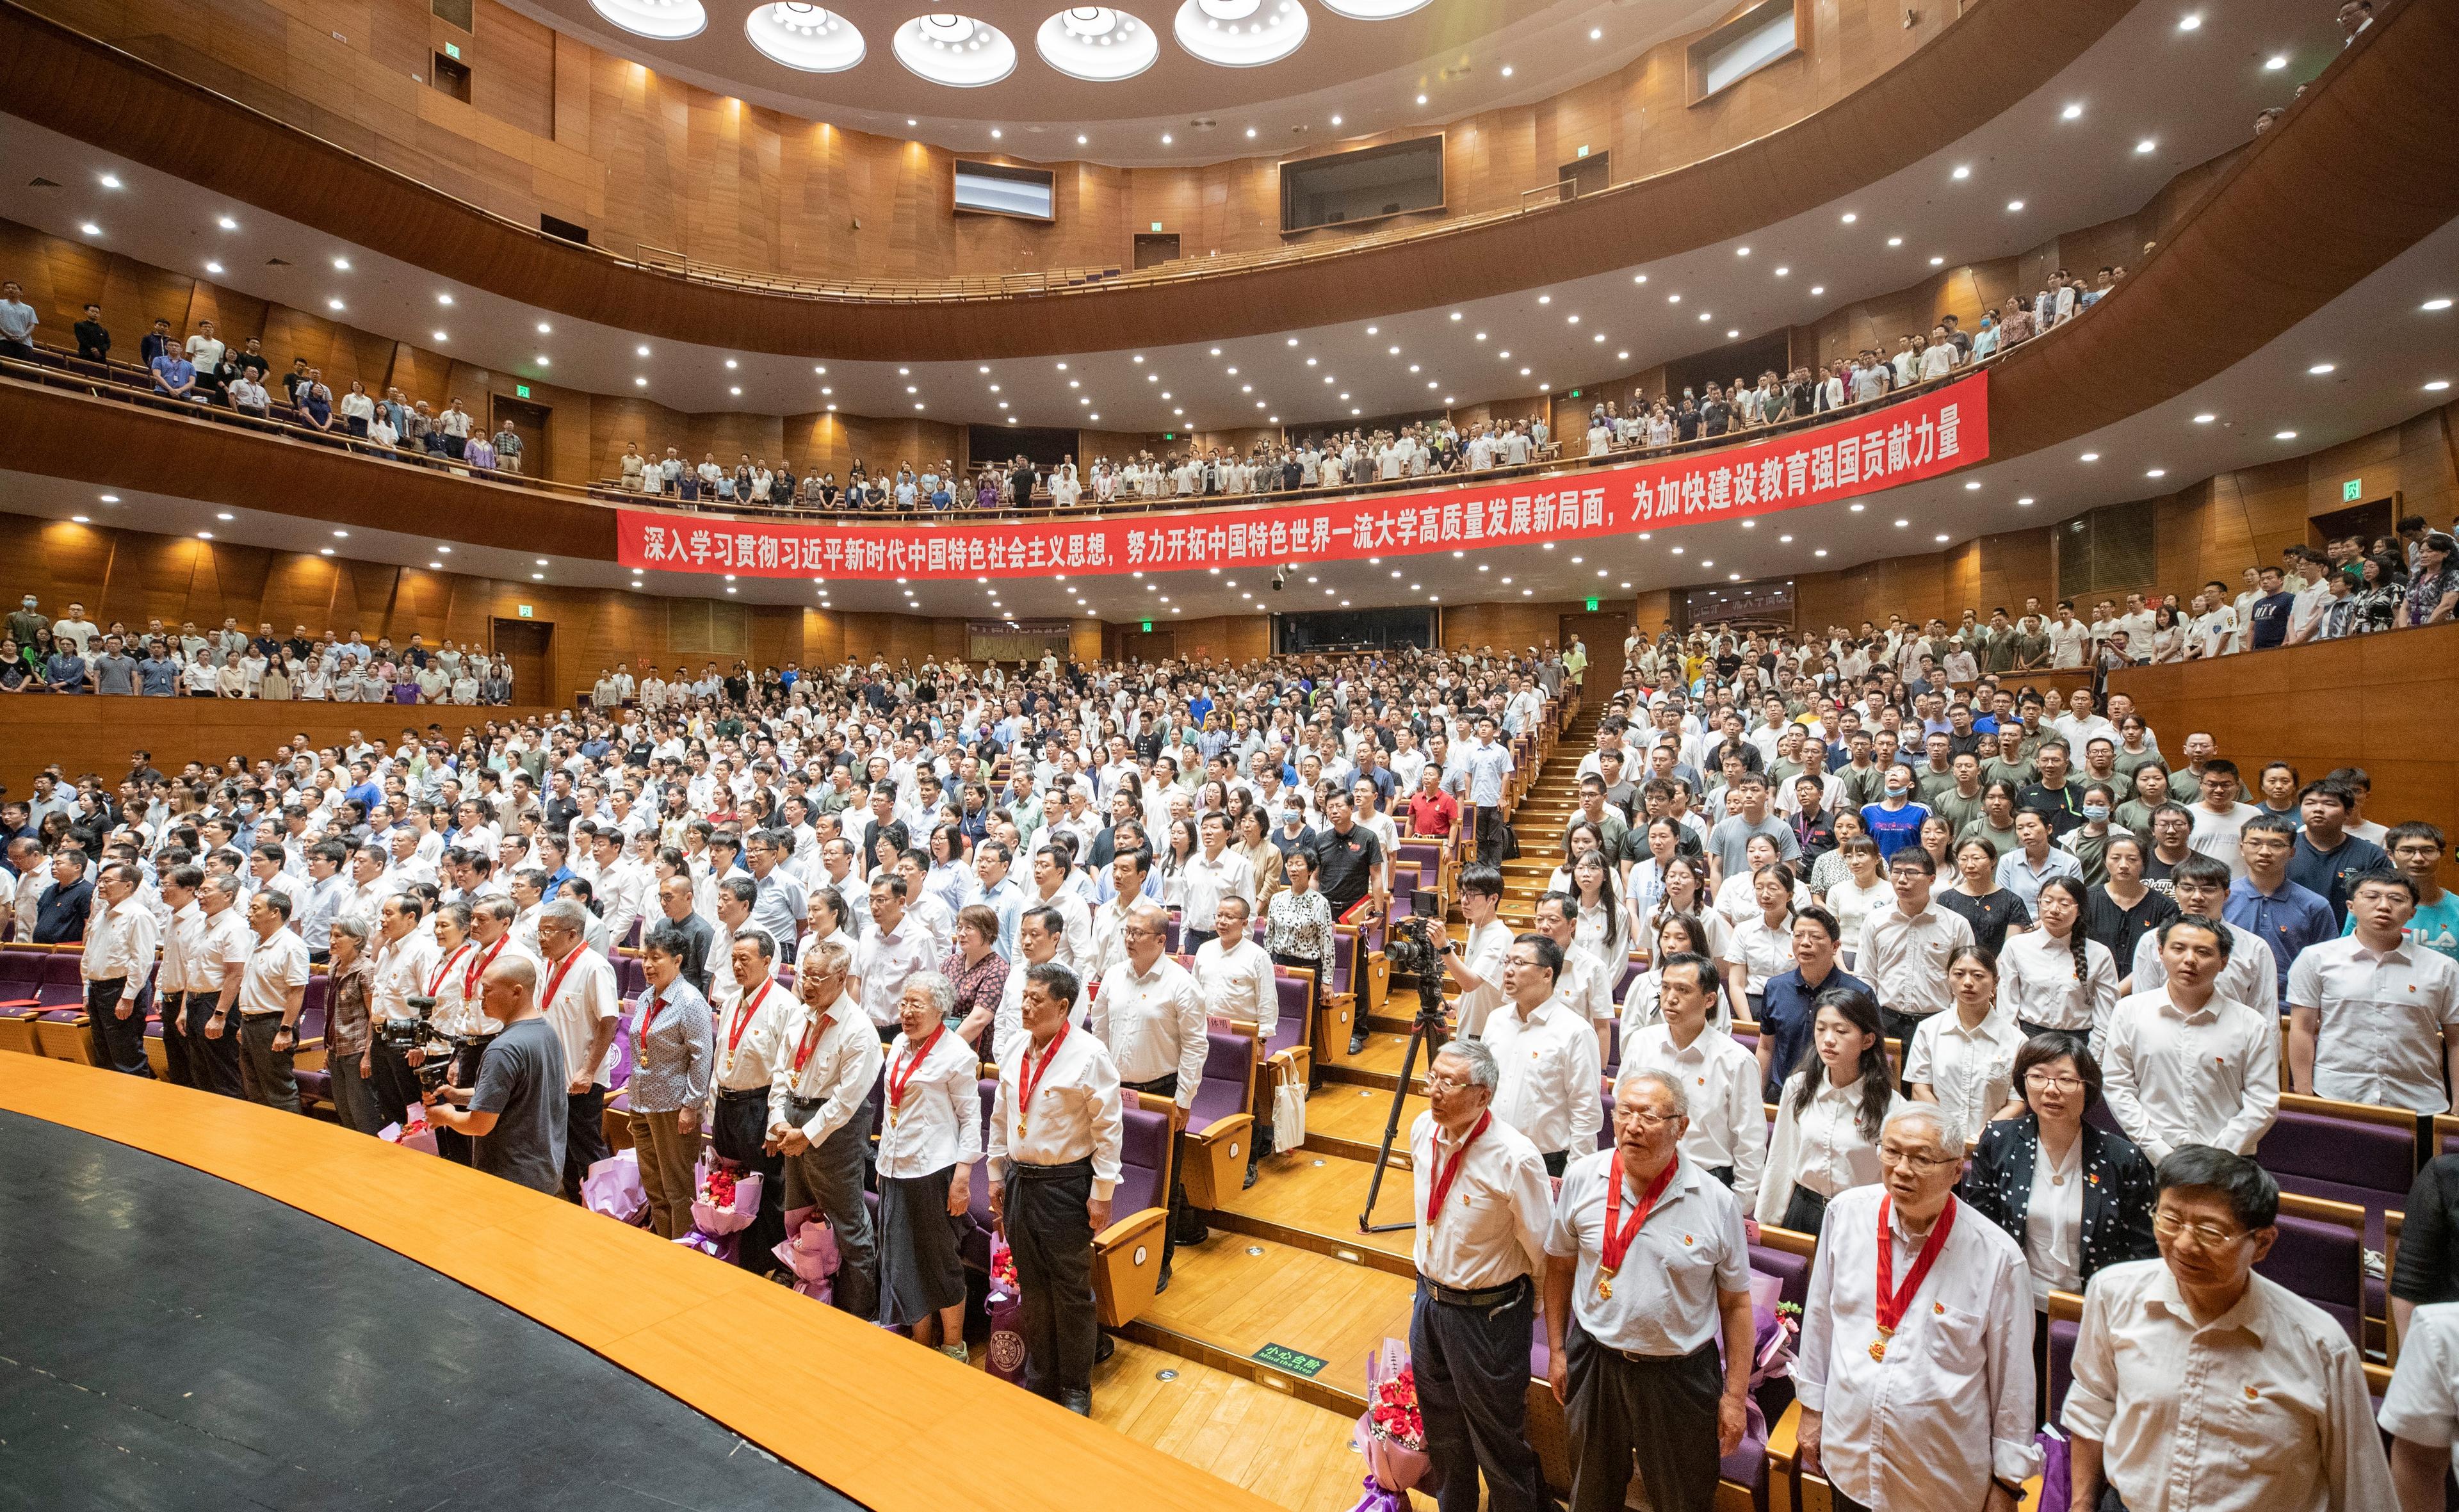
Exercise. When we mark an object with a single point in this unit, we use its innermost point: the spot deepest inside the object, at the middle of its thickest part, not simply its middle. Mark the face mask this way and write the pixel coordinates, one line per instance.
(2095, 812)
(1292, 815)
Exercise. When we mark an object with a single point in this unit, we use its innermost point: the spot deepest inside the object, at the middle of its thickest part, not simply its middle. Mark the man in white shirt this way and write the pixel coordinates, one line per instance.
(2218, 815)
(1054, 1166)
(272, 991)
(2373, 1017)
(579, 1000)
(1904, 946)
(624, 886)
(1149, 1014)
(2197, 1383)
(1915, 1368)
(820, 1119)
(1477, 967)
(2421, 1410)
(1213, 874)
(1483, 1204)
(1726, 1132)
(894, 946)
(403, 963)
(2068, 636)
(2186, 1065)
(1548, 1056)
(1635, 1309)
(120, 944)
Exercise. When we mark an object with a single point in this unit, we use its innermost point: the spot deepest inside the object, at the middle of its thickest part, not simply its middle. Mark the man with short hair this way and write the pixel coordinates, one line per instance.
(2197, 1383)
(2374, 1017)
(518, 1115)
(1726, 1122)
(272, 990)
(2264, 902)
(1915, 1370)
(1150, 1015)
(1548, 1056)
(1636, 1308)
(2185, 1065)
(2327, 857)
(1482, 1205)
(1906, 945)
(579, 1000)
(118, 958)
(820, 1116)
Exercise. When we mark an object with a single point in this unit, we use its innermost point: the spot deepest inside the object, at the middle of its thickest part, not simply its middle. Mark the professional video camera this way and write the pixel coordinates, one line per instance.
(1417, 946)
(445, 1059)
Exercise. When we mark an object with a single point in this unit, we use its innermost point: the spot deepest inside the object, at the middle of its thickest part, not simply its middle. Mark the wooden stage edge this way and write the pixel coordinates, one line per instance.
(838, 1398)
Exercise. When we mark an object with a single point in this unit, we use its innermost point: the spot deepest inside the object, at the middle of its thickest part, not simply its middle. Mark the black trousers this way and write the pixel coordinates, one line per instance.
(1900, 1027)
(1472, 1372)
(584, 1135)
(1805, 1212)
(1180, 1218)
(1489, 836)
(213, 1064)
(117, 1043)
(741, 1129)
(179, 1066)
(1556, 1161)
(394, 1085)
(1661, 1411)
(1050, 1235)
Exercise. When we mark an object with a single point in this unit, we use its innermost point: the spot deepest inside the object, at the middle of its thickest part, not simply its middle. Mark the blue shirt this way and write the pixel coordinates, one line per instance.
(2327, 873)
(170, 370)
(158, 678)
(1894, 828)
(65, 672)
(1785, 1014)
(1006, 899)
(2287, 920)
(2270, 615)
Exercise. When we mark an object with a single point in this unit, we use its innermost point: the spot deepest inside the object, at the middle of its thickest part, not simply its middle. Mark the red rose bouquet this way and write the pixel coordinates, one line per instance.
(1392, 1435)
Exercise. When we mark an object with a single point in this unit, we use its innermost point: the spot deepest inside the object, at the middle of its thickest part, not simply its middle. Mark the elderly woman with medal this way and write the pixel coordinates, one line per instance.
(1647, 1265)
(1915, 1370)
(926, 1153)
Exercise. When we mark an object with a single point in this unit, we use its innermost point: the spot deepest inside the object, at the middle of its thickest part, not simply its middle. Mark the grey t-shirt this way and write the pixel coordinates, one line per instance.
(1730, 841)
(523, 1082)
(114, 674)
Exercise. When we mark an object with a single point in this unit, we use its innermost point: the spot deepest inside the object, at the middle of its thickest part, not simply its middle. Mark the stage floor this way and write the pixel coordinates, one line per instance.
(170, 1340)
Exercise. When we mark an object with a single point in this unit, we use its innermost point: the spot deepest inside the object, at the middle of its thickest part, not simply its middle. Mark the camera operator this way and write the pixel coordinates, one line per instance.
(517, 1114)
(1478, 967)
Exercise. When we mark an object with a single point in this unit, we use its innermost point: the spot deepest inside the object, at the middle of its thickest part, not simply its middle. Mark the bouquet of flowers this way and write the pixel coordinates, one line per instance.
(1005, 1358)
(1392, 1435)
(724, 1202)
(1778, 1323)
(613, 1188)
(810, 1251)
(413, 1132)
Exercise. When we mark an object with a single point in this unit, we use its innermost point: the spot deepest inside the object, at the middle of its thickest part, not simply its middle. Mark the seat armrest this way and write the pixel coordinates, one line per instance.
(1126, 1266)
(1217, 1160)
(1784, 1440)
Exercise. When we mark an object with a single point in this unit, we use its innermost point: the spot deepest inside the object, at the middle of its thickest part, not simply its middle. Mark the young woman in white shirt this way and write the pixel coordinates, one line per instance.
(1763, 942)
(1644, 881)
(1738, 897)
(1973, 1073)
(1680, 935)
(1862, 891)
(2055, 980)
(1603, 929)
(1686, 893)
(1828, 1119)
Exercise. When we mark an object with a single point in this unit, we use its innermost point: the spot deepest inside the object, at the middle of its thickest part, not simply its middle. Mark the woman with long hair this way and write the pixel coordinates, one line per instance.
(1252, 838)
(1645, 882)
(2055, 979)
(1763, 942)
(1686, 893)
(1601, 928)
(1863, 891)
(1828, 1121)
(1171, 866)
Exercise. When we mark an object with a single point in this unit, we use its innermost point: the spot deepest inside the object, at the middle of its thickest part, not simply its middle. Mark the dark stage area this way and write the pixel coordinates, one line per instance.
(169, 1340)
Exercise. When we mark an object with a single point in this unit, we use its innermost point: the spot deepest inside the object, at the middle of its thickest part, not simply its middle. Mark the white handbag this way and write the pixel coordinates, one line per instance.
(1288, 1112)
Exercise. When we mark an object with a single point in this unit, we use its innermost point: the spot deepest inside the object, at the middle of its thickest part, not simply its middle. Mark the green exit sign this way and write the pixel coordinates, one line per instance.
(524, 611)
(1575, 393)
(1147, 627)
(2353, 491)
(453, 50)
(1170, 436)
(1156, 225)
(1592, 606)
(520, 390)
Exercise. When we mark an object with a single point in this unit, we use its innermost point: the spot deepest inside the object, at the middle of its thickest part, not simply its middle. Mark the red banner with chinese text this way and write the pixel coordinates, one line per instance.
(1923, 437)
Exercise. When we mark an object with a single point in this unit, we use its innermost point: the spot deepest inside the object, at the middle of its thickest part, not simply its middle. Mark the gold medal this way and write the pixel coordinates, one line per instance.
(1877, 1349)
(1605, 1283)
(1020, 1131)
(892, 1118)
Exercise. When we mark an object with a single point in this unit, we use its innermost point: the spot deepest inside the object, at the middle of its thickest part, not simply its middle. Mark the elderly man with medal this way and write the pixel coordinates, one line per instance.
(1915, 1370)
(1648, 1266)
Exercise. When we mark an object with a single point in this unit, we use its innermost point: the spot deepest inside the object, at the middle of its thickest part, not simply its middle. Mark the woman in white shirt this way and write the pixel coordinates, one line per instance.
(1644, 884)
(1862, 891)
(1681, 935)
(309, 679)
(928, 1141)
(1763, 942)
(1738, 897)
(1686, 893)
(231, 681)
(2052, 979)
(1603, 928)
(199, 676)
(357, 408)
(1828, 1119)
(1963, 1059)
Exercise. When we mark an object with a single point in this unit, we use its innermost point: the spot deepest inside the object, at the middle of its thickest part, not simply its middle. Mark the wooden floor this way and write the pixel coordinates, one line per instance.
(1235, 1295)
(1346, 1118)
(1313, 1201)
(1288, 1452)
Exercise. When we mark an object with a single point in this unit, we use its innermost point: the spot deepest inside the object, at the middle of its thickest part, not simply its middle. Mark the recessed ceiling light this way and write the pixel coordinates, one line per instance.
(2191, 21)
(213, 267)
(2320, 369)
(538, 576)
(325, 550)
(2091, 456)
(2072, 113)
(1421, 99)
(1782, 271)
(1962, 170)
(1545, 299)
(1820, 552)
(439, 567)
(736, 390)
(2430, 304)
(2026, 500)
(1895, 240)
(2276, 62)
(226, 222)
(109, 498)
(204, 534)
(2205, 419)
(2283, 435)
(1938, 261)
(333, 303)
(2145, 147)
(2155, 473)
(2437, 386)
(1336, 121)
(90, 229)
(444, 551)
(995, 133)
(1858, 508)
(1902, 523)
(341, 264)
(1081, 138)
(225, 514)
(443, 298)
(2014, 204)
(1818, 288)
(1969, 488)
(80, 520)
(1165, 139)
(110, 180)
(1733, 335)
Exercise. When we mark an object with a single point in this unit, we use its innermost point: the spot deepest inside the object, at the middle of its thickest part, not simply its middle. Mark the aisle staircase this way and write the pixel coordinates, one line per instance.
(1287, 1278)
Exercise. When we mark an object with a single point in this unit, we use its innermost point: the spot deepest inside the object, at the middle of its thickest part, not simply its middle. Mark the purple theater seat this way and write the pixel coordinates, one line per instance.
(630, 981)
(312, 1009)
(1291, 1029)
(622, 1071)
(1219, 1133)
(1631, 972)
(2320, 1262)
(1144, 1156)
(1169, 932)
(61, 986)
(2364, 1165)
(314, 1086)
(1229, 1076)
(21, 975)
(976, 1244)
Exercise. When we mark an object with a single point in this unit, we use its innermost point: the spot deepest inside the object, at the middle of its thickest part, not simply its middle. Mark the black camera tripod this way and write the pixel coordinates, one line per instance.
(1431, 1026)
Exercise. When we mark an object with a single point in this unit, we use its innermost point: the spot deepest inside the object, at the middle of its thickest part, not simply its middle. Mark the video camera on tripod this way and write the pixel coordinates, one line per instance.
(445, 1059)
(1417, 946)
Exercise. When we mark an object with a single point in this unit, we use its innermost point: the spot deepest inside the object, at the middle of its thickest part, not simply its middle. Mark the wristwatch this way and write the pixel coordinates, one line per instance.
(2013, 1488)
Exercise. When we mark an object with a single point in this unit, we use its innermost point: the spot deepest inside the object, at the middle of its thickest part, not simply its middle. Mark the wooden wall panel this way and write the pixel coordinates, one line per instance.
(91, 735)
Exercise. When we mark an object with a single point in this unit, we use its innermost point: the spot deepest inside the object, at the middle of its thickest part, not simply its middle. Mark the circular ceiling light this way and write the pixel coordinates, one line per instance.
(666, 20)
(1374, 9)
(805, 37)
(1241, 34)
(1097, 44)
(955, 50)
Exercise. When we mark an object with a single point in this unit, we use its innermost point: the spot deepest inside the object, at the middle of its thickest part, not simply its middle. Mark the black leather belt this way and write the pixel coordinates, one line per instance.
(1511, 1290)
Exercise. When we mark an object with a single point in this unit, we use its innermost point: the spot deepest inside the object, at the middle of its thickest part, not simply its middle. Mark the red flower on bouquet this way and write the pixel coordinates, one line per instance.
(1393, 1412)
(1004, 1273)
(718, 1190)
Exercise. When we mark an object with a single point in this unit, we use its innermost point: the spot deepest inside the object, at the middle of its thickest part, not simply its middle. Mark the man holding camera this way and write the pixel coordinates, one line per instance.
(517, 1114)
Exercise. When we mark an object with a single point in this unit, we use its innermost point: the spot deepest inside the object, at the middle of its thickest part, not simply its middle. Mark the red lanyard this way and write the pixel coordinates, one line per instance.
(649, 1014)
(1028, 1076)
(1445, 1172)
(898, 1080)
(1892, 1300)
(444, 970)
(810, 1042)
(485, 959)
(744, 1014)
(1619, 1236)
(555, 978)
